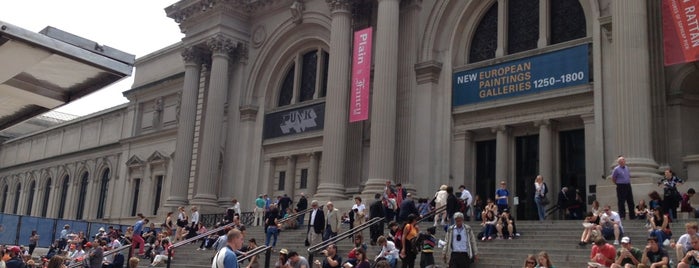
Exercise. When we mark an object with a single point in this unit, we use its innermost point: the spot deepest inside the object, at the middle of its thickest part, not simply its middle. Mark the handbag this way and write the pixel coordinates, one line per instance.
(544, 200)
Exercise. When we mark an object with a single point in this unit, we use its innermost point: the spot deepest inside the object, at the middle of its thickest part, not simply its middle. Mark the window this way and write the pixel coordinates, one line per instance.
(313, 73)
(17, 192)
(82, 194)
(64, 194)
(158, 192)
(566, 19)
(47, 194)
(303, 184)
(104, 188)
(30, 198)
(4, 198)
(136, 190)
(282, 180)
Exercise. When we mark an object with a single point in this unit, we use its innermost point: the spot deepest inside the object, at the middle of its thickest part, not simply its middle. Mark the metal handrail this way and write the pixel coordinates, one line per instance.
(344, 235)
(105, 254)
(254, 252)
(295, 215)
(190, 240)
(433, 212)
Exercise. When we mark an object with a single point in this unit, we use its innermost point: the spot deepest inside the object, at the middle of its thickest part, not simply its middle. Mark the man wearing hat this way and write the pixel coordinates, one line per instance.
(64, 237)
(627, 255)
(15, 261)
(654, 255)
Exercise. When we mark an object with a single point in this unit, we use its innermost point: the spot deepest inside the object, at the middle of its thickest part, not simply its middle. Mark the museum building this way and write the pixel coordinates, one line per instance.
(256, 97)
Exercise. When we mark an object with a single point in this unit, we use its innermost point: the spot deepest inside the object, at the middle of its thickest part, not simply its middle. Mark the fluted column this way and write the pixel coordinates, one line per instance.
(501, 154)
(208, 172)
(545, 150)
(312, 175)
(461, 160)
(591, 167)
(336, 117)
(383, 105)
(185, 128)
(632, 116)
(233, 183)
(290, 175)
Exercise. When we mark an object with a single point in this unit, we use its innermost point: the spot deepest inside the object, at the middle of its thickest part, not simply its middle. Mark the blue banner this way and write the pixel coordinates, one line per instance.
(554, 70)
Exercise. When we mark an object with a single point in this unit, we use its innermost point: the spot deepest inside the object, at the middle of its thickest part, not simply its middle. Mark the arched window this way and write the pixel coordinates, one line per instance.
(17, 192)
(47, 194)
(566, 20)
(30, 198)
(82, 194)
(64, 196)
(104, 187)
(5, 191)
(312, 72)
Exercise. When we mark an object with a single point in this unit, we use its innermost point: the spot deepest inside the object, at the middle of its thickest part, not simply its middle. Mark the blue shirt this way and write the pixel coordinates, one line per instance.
(621, 175)
(138, 227)
(502, 192)
(225, 258)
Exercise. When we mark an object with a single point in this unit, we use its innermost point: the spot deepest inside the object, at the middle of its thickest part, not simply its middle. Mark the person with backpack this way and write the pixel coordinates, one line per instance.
(540, 197)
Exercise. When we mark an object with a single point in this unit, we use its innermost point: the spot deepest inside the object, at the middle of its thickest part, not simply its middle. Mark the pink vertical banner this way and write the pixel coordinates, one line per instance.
(361, 75)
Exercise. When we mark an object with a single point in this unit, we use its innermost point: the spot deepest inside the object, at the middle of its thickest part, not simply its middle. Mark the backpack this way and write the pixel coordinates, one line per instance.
(461, 205)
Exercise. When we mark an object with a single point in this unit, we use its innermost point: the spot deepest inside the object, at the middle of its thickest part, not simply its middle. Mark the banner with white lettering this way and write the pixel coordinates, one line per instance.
(295, 121)
(361, 75)
(680, 31)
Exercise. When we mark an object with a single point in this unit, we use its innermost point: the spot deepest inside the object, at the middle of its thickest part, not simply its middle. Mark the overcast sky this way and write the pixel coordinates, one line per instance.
(137, 27)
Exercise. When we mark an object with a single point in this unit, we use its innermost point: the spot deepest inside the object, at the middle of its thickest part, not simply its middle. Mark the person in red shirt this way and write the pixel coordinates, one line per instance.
(602, 252)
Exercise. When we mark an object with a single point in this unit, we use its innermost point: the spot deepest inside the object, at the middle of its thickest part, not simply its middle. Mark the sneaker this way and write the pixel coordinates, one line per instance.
(483, 239)
(616, 242)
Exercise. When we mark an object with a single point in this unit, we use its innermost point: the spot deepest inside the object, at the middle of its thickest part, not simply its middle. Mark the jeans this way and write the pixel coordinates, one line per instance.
(540, 208)
(271, 231)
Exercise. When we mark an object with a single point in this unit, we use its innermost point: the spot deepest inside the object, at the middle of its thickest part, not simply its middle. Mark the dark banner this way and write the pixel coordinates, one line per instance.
(553, 70)
(290, 122)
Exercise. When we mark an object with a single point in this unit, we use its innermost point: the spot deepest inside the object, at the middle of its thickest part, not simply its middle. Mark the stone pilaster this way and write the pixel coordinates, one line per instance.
(545, 151)
(632, 116)
(185, 129)
(336, 115)
(312, 175)
(405, 105)
(383, 113)
(290, 179)
(461, 159)
(591, 168)
(502, 156)
(208, 173)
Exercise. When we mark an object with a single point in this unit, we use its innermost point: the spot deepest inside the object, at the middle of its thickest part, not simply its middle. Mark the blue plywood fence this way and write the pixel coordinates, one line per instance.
(16, 229)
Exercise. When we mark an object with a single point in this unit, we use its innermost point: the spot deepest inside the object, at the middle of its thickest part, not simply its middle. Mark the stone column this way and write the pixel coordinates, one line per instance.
(337, 102)
(185, 128)
(383, 106)
(502, 29)
(458, 159)
(290, 175)
(544, 22)
(312, 175)
(231, 181)
(502, 156)
(632, 114)
(591, 167)
(208, 172)
(545, 151)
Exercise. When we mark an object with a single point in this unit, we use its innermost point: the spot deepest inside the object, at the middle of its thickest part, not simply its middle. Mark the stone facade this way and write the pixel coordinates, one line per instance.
(255, 100)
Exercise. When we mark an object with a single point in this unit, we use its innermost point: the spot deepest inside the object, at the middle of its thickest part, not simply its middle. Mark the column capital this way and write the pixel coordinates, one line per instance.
(339, 5)
(588, 118)
(289, 157)
(193, 55)
(312, 155)
(462, 134)
(220, 44)
(500, 128)
(428, 71)
(248, 112)
(543, 122)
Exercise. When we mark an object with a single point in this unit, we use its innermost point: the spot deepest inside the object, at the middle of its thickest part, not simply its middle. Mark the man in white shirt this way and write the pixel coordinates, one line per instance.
(466, 196)
(610, 223)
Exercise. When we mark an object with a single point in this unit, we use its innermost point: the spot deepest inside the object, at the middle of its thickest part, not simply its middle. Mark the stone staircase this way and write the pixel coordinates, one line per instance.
(558, 238)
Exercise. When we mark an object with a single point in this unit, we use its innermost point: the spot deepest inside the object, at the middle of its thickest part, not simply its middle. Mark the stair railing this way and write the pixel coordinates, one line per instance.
(322, 245)
(432, 213)
(195, 238)
(295, 215)
(105, 254)
(257, 251)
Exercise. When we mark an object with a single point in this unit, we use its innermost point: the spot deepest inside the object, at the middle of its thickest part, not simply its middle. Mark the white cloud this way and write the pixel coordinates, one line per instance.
(137, 27)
